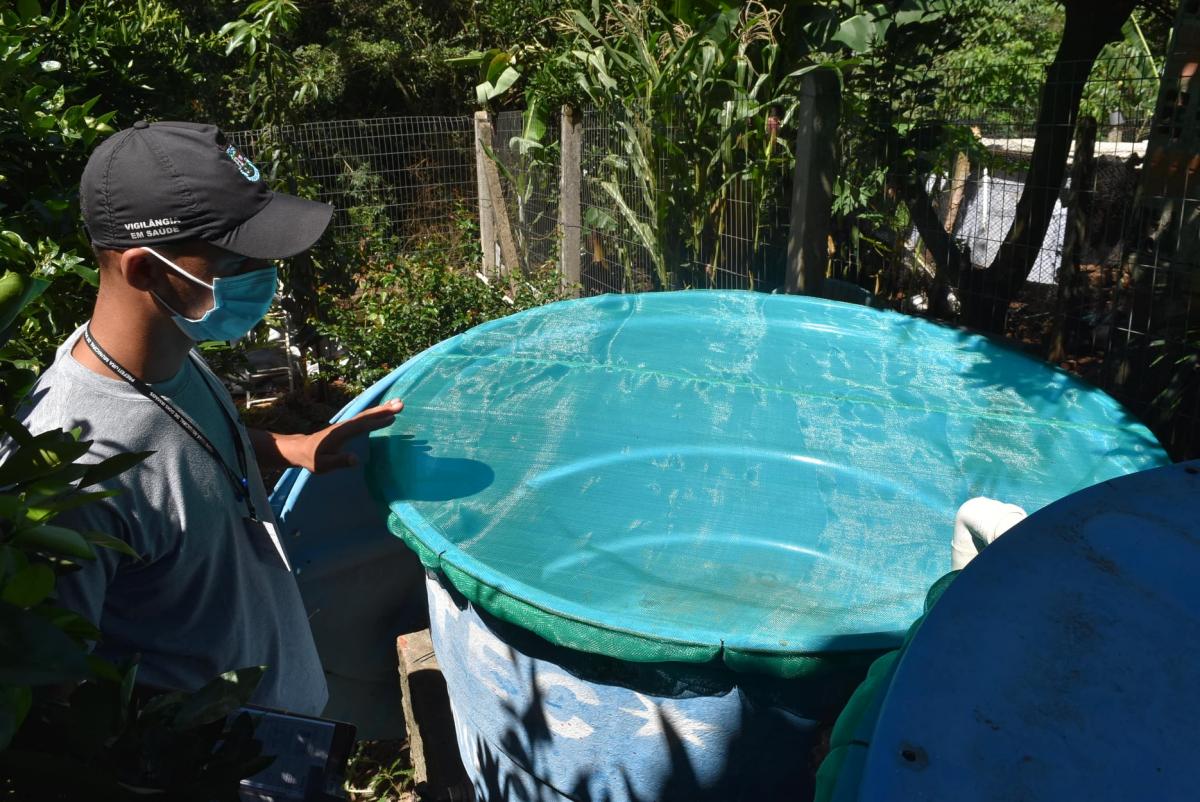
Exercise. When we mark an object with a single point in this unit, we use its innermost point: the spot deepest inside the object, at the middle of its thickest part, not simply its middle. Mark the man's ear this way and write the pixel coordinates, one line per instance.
(139, 269)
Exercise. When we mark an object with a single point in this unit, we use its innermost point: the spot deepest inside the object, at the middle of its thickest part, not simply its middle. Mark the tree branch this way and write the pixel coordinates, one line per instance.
(951, 261)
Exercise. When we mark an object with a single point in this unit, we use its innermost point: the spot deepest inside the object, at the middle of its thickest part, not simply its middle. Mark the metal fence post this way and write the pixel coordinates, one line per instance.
(570, 220)
(812, 183)
(487, 226)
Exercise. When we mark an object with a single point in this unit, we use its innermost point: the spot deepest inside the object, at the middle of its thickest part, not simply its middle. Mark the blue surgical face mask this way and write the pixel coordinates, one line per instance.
(239, 302)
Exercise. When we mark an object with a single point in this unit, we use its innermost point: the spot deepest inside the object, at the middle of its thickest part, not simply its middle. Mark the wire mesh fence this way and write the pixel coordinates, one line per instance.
(634, 241)
(616, 256)
(961, 215)
(403, 178)
(977, 225)
(631, 240)
(1155, 359)
(414, 180)
(973, 165)
(530, 179)
(748, 250)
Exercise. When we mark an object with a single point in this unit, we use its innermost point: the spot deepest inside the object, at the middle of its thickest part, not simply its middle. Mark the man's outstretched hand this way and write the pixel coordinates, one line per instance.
(321, 451)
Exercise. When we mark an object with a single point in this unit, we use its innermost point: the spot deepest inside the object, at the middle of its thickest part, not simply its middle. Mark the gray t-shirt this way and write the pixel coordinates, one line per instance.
(210, 593)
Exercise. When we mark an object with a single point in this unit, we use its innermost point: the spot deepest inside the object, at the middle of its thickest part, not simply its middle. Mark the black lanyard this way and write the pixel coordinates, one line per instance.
(241, 482)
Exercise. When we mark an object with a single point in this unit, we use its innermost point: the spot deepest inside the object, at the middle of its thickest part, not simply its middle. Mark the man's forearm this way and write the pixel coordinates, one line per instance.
(277, 451)
(324, 450)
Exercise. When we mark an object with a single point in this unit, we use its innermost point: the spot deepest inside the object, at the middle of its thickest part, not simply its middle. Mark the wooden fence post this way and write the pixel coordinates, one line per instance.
(957, 190)
(812, 182)
(487, 228)
(501, 228)
(570, 221)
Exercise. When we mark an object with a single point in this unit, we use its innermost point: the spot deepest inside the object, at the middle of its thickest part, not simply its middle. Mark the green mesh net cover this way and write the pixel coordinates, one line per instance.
(768, 480)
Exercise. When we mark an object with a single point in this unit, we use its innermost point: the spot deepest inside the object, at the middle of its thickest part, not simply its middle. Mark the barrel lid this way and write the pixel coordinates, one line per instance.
(1061, 663)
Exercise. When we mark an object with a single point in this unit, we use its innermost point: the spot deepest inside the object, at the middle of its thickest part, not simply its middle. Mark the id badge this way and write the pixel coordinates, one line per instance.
(265, 538)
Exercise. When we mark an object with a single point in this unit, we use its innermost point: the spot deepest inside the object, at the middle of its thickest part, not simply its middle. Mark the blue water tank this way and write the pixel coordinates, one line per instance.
(664, 534)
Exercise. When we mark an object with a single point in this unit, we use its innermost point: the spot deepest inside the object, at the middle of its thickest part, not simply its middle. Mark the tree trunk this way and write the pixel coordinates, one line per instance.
(986, 294)
(1079, 205)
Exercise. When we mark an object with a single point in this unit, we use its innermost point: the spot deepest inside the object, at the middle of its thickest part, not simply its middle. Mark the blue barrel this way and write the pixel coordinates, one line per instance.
(536, 721)
(1060, 664)
(665, 533)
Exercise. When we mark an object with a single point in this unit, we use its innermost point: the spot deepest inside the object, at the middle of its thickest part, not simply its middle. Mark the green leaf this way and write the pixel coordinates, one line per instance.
(55, 540)
(496, 66)
(89, 274)
(918, 11)
(535, 121)
(219, 698)
(110, 542)
(14, 706)
(35, 652)
(16, 291)
(162, 705)
(47, 453)
(11, 561)
(681, 9)
(113, 466)
(819, 23)
(102, 669)
(472, 59)
(584, 24)
(14, 428)
(856, 33)
(70, 622)
(45, 510)
(31, 94)
(29, 10)
(600, 219)
(506, 80)
(29, 586)
(55, 482)
(128, 681)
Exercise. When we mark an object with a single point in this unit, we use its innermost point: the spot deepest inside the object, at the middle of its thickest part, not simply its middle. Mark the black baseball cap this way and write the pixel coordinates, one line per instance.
(157, 183)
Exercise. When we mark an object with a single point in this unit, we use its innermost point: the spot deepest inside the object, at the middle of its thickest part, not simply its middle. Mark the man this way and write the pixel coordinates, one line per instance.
(185, 231)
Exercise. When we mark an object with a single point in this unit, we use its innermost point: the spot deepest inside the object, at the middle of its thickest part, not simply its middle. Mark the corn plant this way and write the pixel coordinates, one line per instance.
(701, 99)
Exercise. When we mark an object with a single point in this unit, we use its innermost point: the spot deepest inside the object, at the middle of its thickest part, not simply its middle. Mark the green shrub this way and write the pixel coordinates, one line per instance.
(402, 305)
(55, 60)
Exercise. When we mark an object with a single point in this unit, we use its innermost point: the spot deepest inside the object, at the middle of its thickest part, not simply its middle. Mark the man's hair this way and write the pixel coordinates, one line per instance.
(104, 256)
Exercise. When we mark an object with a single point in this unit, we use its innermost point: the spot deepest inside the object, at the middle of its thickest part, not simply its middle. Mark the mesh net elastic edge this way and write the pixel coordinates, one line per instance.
(587, 637)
